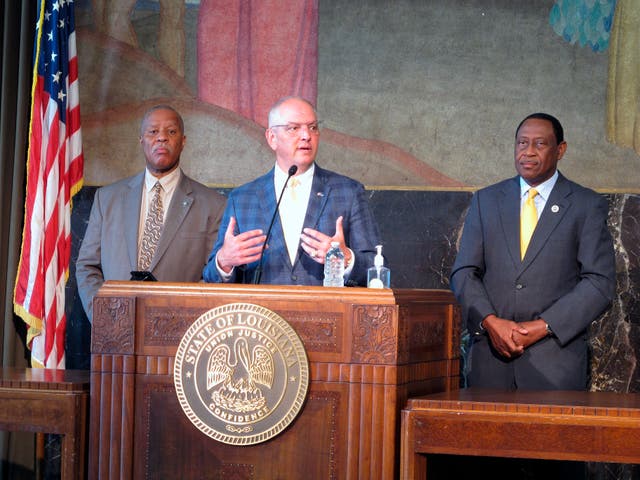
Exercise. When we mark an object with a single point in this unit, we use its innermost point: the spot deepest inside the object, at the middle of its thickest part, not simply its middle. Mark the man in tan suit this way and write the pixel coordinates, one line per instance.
(189, 216)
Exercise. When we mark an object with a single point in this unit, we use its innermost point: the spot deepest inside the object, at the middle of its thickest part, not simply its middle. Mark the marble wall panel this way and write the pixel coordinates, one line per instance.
(420, 230)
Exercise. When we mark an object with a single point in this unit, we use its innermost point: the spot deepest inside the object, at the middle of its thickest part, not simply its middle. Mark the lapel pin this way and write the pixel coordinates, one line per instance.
(320, 194)
(555, 208)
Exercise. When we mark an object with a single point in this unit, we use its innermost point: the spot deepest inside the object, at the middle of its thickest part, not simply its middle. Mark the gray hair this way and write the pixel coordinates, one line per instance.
(274, 113)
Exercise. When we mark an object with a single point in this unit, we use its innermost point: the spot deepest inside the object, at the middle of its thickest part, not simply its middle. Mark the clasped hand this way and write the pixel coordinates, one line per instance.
(511, 338)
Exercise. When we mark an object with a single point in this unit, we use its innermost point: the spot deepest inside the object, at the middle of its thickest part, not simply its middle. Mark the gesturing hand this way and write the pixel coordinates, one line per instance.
(239, 249)
(316, 243)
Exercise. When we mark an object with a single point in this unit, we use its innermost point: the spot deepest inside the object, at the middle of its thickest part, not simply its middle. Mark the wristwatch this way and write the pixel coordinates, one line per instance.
(548, 328)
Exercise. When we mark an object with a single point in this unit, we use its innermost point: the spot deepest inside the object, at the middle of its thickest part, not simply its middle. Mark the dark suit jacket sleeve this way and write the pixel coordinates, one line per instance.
(572, 313)
(361, 236)
(210, 273)
(89, 275)
(468, 270)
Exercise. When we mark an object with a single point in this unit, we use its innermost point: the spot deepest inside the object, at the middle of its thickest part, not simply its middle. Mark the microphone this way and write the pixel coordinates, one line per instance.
(258, 272)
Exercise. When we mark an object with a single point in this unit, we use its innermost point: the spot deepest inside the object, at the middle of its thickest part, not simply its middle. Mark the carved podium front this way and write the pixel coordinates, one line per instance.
(368, 351)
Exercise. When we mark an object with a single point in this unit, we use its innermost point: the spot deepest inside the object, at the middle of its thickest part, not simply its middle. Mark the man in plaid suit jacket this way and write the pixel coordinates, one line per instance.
(326, 207)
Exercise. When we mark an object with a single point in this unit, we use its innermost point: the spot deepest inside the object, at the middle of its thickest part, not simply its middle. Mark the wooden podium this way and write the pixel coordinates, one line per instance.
(368, 351)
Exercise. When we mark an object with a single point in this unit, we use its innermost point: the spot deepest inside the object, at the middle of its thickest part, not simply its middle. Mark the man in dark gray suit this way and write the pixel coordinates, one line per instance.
(528, 312)
(189, 217)
(318, 206)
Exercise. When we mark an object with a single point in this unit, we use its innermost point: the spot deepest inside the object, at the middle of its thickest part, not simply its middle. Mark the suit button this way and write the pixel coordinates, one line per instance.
(294, 277)
(519, 286)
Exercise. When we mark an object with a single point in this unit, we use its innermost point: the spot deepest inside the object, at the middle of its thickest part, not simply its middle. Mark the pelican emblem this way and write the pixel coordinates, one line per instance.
(241, 373)
(239, 376)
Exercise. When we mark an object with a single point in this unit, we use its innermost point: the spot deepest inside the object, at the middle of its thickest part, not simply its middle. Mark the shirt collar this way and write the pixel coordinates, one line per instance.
(168, 182)
(280, 177)
(544, 189)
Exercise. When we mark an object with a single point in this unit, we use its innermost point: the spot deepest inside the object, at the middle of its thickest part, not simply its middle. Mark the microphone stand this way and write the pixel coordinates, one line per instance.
(258, 272)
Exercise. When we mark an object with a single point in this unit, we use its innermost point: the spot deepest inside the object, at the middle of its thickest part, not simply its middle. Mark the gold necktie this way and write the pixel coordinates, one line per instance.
(528, 221)
(293, 185)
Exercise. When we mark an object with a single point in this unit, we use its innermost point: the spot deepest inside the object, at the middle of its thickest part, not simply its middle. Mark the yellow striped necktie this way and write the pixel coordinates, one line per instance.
(294, 183)
(528, 221)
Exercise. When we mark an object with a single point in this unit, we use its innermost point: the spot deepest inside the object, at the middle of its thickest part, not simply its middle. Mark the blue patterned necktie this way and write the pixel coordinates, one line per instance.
(152, 229)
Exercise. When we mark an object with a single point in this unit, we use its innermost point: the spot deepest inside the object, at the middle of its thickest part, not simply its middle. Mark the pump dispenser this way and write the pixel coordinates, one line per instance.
(378, 276)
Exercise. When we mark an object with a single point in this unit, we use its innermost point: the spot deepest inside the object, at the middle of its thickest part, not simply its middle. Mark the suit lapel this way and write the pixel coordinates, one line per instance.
(320, 191)
(131, 208)
(181, 203)
(555, 209)
(509, 207)
(267, 201)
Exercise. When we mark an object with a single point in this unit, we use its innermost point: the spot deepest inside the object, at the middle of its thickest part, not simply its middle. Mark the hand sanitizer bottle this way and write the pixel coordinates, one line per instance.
(378, 276)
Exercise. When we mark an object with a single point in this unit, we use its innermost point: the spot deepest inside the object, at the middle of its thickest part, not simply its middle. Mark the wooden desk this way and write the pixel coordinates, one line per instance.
(49, 401)
(560, 425)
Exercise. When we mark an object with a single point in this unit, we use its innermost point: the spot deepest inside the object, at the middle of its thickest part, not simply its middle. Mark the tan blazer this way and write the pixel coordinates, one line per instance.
(110, 244)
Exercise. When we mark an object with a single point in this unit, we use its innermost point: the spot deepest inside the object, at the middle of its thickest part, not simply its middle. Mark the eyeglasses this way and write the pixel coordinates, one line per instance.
(295, 129)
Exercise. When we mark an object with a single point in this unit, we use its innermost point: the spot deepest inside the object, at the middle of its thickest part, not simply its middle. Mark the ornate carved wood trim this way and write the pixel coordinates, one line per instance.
(374, 334)
(113, 327)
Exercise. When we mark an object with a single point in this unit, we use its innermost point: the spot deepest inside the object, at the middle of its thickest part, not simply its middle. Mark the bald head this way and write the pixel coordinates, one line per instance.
(275, 115)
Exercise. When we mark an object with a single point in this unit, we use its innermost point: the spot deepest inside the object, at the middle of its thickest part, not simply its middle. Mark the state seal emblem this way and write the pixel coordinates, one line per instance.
(241, 374)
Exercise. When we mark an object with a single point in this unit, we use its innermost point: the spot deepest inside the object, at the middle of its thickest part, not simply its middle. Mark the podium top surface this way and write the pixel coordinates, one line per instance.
(361, 294)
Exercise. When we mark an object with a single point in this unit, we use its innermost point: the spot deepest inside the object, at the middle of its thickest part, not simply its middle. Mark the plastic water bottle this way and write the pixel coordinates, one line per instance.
(334, 267)
(378, 276)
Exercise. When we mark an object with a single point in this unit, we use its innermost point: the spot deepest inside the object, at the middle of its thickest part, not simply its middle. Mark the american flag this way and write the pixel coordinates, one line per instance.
(54, 175)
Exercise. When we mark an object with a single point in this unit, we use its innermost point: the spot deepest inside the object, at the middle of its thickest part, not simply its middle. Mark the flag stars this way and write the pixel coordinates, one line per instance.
(64, 155)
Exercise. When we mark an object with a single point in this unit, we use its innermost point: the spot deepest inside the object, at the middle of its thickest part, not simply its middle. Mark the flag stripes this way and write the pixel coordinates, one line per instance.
(54, 175)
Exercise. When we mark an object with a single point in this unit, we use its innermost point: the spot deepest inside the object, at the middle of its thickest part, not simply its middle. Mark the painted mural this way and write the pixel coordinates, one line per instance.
(412, 94)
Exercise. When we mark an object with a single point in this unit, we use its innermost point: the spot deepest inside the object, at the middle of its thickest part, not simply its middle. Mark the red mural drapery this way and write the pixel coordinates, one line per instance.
(252, 52)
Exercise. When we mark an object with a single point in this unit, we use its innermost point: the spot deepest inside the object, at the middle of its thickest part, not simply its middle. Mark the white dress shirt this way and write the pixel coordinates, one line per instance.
(292, 212)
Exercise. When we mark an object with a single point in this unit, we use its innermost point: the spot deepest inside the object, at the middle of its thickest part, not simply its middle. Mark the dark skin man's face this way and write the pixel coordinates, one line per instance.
(537, 152)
